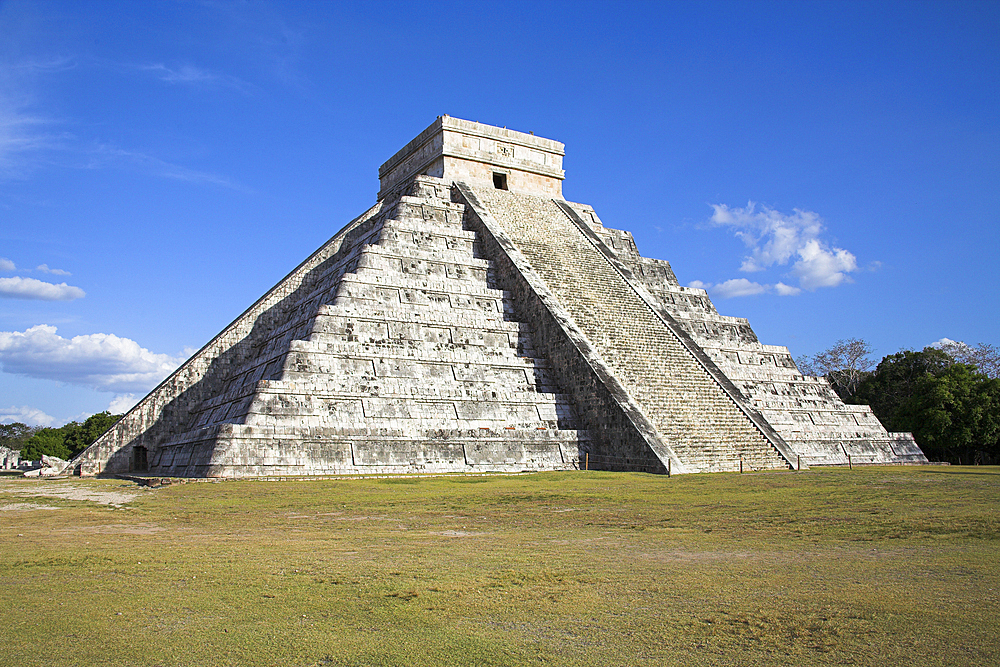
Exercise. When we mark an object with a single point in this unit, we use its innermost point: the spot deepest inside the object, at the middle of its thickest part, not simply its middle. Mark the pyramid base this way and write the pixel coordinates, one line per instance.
(233, 450)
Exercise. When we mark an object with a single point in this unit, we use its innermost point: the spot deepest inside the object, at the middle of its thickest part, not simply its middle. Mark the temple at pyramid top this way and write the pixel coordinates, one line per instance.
(477, 154)
(474, 320)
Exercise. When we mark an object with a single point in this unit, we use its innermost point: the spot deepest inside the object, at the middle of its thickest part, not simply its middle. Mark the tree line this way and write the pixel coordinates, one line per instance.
(948, 396)
(64, 442)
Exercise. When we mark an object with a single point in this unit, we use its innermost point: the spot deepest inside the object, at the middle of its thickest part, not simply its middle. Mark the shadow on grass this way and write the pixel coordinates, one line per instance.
(965, 470)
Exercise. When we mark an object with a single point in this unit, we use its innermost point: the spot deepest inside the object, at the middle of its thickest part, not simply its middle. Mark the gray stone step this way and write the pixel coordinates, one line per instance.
(688, 408)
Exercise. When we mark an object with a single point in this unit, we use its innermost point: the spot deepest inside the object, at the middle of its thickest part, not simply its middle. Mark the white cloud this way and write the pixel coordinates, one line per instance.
(22, 137)
(102, 361)
(776, 239)
(30, 288)
(189, 74)
(786, 290)
(184, 74)
(6, 264)
(25, 415)
(958, 349)
(44, 268)
(53, 64)
(122, 403)
(25, 134)
(105, 155)
(739, 287)
(743, 287)
(821, 267)
(29, 139)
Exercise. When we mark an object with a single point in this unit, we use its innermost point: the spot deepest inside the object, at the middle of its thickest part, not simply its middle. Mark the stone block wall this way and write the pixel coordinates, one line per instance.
(690, 412)
(462, 150)
(395, 354)
(804, 410)
(9, 458)
(227, 368)
(621, 436)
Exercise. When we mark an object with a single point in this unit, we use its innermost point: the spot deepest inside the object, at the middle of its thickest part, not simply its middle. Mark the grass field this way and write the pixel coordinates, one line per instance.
(872, 566)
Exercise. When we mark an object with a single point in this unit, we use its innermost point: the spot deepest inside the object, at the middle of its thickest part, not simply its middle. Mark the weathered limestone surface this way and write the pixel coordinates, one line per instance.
(9, 458)
(392, 353)
(805, 410)
(474, 320)
(692, 414)
(461, 150)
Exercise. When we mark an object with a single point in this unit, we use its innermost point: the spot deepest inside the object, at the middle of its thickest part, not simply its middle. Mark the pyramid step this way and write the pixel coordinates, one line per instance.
(549, 406)
(422, 350)
(395, 336)
(340, 319)
(394, 254)
(363, 280)
(303, 450)
(426, 300)
(462, 341)
(394, 313)
(445, 377)
(418, 231)
(433, 211)
(351, 368)
(405, 389)
(391, 257)
(369, 432)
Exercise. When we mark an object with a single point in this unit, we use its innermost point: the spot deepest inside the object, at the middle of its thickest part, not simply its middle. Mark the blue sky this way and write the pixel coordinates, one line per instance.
(828, 170)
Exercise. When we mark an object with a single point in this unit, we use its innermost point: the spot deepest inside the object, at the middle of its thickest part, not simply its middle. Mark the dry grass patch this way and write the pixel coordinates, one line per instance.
(821, 567)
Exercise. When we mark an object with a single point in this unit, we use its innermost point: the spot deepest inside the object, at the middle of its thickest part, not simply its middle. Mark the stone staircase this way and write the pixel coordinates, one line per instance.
(804, 410)
(692, 413)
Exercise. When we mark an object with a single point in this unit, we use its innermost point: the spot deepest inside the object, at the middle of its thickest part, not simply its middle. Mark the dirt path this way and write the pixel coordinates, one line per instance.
(71, 491)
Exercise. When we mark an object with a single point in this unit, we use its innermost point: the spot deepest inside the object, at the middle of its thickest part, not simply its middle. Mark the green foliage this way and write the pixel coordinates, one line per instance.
(951, 408)
(13, 436)
(895, 380)
(48, 442)
(69, 440)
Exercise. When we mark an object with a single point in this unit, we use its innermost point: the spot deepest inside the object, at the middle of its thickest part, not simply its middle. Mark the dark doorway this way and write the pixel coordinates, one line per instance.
(499, 181)
(139, 459)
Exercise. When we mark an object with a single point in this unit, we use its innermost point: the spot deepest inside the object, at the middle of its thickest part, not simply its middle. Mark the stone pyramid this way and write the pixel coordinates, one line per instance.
(471, 320)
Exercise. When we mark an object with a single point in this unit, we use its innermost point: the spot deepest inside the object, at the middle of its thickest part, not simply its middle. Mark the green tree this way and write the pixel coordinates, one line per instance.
(90, 430)
(895, 381)
(954, 415)
(13, 436)
(952, 409)
(69, 440)
(48, 442)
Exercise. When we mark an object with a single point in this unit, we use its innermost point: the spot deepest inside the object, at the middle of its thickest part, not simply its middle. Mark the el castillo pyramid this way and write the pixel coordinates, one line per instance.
(474, 320)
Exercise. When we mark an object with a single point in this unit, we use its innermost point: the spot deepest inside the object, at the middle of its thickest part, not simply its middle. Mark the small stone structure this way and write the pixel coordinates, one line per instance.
(471, 320)
(9, 458)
